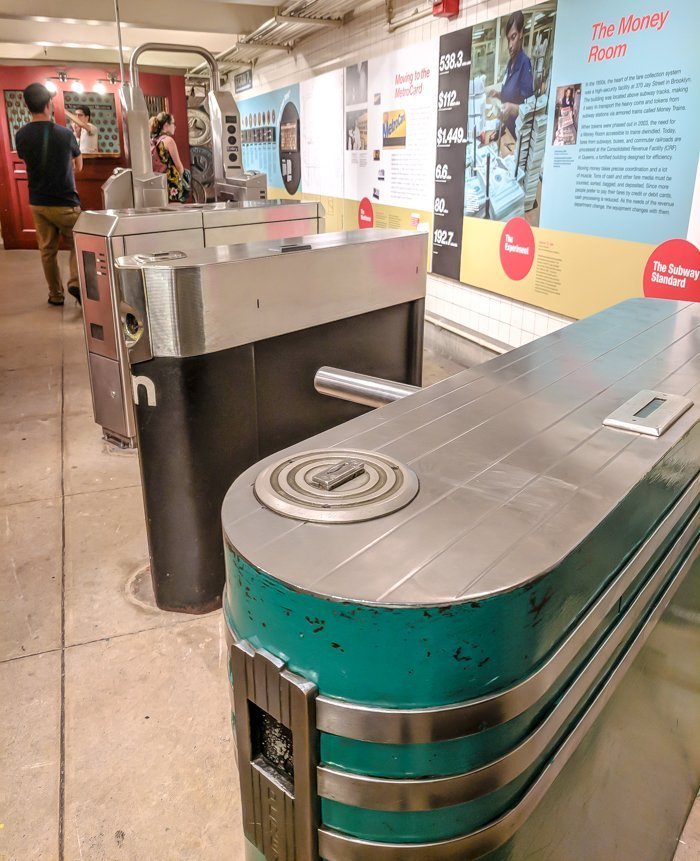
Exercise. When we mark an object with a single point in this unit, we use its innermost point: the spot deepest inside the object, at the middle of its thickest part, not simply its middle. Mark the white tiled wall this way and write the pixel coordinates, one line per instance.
(477, 313)
(493, 319)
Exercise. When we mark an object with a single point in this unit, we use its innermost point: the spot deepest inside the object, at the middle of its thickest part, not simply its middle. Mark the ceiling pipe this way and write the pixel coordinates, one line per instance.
(251, 41)
(416, 15)
(314, 22)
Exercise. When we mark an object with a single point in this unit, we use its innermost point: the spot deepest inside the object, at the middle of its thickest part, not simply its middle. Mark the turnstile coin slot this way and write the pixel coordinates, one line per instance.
(338, 474)
(286, 248)
(648, 412)
(92, 289)
(160, 256)
(97, 331)
(132, 327)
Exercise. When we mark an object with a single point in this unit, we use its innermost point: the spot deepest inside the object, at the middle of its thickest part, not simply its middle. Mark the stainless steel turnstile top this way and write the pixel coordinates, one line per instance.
(201, 301)
(126, 222)
(515, 467)
(207, 260)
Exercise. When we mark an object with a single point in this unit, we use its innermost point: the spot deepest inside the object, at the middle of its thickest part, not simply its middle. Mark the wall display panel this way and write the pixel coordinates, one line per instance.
(623, 153)
(582, 150)
(389, 130)
(322, 134)
(450, 147)
(272, 139)
(552, 152)
(103, 115)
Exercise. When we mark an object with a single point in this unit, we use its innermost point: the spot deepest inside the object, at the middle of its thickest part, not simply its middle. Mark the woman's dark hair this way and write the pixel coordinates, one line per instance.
(85, 109)
(36, 98)
(156, 123)
(516, 20)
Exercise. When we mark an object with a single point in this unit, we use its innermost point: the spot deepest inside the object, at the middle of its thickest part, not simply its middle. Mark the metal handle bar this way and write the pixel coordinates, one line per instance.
(180, 49)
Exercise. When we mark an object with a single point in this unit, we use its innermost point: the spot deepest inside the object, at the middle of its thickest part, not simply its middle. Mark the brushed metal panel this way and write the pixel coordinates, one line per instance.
(96, 298)
(169, 240)
(234, 234)
(532, 418)
(184, 216)
(123, 222)
(259, 212)
(230, 295)
(108, 394)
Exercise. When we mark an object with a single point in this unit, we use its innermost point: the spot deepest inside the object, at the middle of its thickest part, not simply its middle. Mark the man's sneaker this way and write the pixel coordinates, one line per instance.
(75, 293)
(55, 300)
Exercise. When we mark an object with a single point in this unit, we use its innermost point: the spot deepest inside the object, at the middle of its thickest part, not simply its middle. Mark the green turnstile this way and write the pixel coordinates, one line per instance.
(466, 625)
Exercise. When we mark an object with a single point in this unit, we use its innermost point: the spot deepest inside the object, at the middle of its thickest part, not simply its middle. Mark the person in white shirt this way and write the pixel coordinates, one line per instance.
(85, 132)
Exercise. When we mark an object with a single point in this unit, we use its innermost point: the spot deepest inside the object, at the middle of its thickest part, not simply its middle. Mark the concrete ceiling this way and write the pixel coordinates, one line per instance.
(83, 31)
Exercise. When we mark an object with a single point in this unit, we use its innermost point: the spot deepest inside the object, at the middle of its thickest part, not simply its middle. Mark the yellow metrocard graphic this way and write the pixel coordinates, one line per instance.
(394, 129)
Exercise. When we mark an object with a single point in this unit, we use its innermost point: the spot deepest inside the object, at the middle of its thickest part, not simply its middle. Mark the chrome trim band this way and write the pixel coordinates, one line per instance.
(456, 720)
(334, 846)
(377, 793)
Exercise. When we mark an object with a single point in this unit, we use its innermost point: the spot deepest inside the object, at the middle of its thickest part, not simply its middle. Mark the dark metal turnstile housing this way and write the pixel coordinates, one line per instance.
(102, 237)
(467, 624)
(224, 345)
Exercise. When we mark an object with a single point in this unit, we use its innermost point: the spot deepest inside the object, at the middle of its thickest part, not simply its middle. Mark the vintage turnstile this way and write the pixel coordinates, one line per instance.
(224, 344)
(138, 186)
(138, 220)
(101, 237)
(467, 625)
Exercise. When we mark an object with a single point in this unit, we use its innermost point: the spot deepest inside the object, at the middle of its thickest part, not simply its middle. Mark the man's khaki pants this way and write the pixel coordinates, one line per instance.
(52, 222)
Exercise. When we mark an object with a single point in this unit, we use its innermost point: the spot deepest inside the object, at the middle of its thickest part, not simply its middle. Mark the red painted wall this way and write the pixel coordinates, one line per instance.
(15, 216)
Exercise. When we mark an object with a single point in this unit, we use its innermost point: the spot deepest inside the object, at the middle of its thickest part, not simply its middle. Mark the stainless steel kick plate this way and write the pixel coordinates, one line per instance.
(277, 746)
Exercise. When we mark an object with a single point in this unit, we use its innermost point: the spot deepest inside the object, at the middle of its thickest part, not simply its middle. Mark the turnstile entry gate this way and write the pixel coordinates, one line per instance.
(138, 220)
(224, 344)
(467, 625)
(138, 186)
(101, 237)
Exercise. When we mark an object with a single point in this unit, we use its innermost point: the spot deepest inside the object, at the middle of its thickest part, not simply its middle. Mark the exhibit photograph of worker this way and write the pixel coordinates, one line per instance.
(566, 116)
(350, 419)
(508, 110)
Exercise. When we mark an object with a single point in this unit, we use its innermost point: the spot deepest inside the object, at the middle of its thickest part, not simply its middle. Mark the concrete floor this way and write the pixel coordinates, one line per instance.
(115, 739)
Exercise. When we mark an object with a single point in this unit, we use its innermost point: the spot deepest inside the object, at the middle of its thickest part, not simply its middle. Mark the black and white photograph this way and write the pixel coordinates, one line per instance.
(356, 130)
(356, 84)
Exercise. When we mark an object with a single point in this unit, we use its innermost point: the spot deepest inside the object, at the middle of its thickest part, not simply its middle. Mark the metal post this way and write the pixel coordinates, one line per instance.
(360, 388)
(119, 38)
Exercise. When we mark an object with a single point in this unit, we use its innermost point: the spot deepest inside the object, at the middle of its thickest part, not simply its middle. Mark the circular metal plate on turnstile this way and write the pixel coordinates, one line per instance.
(336, 486)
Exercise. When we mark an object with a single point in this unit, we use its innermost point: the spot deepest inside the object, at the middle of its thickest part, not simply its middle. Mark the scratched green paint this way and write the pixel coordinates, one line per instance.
(413, 656)
(445, 823)
(410, 656)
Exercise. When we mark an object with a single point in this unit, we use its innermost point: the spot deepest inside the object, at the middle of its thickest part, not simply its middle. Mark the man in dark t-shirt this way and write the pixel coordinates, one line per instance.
(52, 156)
